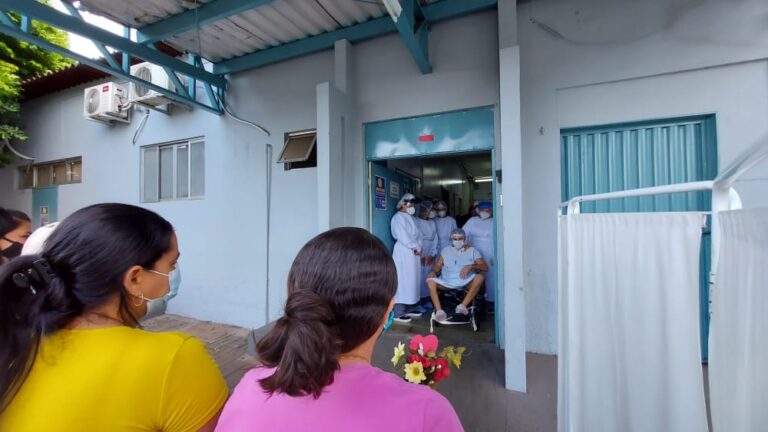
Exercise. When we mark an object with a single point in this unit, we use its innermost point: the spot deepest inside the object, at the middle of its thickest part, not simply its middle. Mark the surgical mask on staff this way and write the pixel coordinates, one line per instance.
(458, 244)
(484, 214)
(411, 211)
(432, 214)
(442, 213)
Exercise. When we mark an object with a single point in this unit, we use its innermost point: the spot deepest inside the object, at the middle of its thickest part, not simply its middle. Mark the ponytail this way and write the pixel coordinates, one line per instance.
(34, 304)
(339, 288)
(303, 346)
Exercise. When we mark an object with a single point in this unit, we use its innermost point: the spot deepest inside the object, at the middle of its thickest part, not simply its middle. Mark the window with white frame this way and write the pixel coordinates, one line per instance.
(173, 171)
(48, 174)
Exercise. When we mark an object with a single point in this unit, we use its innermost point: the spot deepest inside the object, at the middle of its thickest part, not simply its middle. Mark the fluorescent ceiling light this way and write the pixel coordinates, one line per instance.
(394, 8)
(483, 179)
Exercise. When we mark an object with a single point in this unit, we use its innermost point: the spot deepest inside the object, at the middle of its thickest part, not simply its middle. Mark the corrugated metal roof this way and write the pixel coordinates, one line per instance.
(260, 28)
(74, 75)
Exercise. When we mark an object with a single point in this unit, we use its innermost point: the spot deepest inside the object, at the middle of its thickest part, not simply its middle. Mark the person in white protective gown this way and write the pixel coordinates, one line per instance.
(445, 224)
(407, 257)
(479, 231)
(429, 243)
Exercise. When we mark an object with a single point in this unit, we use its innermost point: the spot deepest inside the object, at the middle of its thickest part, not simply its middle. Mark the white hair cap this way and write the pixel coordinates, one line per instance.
(36, 241)
(406, 198)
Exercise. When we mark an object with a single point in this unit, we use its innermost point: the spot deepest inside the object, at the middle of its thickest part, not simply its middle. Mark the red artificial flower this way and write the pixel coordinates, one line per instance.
(442, 370)
(414, 358)
(438, 376)
(426, 362)
(442, 362)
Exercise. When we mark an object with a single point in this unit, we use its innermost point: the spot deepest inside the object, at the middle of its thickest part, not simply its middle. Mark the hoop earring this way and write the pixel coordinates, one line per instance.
(141, 300)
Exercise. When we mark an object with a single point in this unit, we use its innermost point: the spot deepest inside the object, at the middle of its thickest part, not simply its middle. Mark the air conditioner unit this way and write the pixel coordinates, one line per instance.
(106, 102)
(157, 76)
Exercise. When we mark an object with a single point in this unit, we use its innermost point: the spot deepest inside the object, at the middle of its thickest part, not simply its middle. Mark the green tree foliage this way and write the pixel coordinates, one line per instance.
(20, 61)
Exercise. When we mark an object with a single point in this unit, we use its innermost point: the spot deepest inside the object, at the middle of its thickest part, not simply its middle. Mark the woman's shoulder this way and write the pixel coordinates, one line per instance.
(410, 393)
(171, 339)
(166, 344)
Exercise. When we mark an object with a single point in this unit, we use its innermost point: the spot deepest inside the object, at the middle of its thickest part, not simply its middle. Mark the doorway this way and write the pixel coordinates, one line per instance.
(459, 180)
(448, 157)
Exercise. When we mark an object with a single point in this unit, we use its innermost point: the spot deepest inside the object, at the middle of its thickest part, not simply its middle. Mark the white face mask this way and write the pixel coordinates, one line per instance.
(432, 214)
(484, 214)
(442, 213)
(411, 211)
(458, 244)
(157, 306)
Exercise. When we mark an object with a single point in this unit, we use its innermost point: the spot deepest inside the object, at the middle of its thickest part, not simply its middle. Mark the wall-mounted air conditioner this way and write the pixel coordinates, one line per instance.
(106, 102)
(157, 76)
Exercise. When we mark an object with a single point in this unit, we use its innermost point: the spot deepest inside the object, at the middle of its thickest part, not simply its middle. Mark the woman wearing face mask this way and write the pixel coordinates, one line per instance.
(429, 249)
(445, 225)
(15, 228)
(73, 357)
(317, 374)
(479, 231)
(407, 256)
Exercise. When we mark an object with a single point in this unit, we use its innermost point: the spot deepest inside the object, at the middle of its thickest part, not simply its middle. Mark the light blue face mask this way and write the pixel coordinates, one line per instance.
(389, 322)
(174, 281)
(157, 306)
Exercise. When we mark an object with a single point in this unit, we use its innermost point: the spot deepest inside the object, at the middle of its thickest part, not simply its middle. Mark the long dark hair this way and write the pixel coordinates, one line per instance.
(82, 266)
(339, 288)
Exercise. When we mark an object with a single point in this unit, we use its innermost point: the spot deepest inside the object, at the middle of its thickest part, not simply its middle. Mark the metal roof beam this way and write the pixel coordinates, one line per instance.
(18, 33)
(204, 14)
(414, 30)
(102, 49)
(62, 21)
(434, 12)
(447, 9)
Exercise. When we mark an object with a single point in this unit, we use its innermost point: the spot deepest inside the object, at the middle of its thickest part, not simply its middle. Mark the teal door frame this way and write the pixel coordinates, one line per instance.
(44, 199)
(468, 131)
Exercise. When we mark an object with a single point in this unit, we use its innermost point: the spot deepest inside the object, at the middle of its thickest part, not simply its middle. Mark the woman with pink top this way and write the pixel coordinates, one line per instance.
(317, 374)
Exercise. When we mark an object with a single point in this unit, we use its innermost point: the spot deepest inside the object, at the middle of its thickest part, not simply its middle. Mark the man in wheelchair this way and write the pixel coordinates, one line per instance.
(459, 266)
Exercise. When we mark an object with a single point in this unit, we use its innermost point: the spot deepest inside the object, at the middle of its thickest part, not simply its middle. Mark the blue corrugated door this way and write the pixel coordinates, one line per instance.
(635, 155)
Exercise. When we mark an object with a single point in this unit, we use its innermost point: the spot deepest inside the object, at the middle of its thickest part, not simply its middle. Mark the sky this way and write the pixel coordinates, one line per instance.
(82, 45)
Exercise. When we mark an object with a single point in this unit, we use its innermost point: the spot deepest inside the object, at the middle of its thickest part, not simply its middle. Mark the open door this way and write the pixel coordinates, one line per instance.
(386, 188)
(45, 203)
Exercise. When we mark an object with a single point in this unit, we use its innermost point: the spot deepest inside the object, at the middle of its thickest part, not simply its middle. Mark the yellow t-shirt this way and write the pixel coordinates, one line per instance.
(117, 379)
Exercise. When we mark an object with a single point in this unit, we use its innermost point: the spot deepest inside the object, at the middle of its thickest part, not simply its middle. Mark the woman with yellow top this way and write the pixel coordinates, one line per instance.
(72, 357)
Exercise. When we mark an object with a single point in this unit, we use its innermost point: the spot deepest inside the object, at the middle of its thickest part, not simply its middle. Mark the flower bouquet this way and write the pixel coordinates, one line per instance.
(423, 364)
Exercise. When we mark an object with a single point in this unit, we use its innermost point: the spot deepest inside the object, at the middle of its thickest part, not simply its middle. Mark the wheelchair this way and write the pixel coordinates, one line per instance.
(449, 299)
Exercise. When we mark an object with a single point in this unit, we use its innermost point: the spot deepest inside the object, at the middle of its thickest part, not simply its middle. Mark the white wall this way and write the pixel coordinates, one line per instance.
(223, 236)
(623, 61)
(388, 84)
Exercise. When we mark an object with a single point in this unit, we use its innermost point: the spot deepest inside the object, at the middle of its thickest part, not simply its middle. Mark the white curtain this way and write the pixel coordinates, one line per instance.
(628, 357)
(738, 340)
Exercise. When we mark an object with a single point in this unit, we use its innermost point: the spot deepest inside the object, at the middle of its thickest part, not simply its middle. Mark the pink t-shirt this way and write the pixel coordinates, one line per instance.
(361, 398)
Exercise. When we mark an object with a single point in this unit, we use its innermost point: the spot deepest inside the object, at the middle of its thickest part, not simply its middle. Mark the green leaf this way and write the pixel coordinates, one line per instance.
(20, 61)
